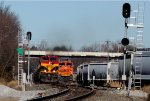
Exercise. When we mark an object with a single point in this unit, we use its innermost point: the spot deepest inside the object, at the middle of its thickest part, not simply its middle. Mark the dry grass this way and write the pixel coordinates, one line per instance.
(12, 84)
(146, 88)
(115, 84)
(2, 81)
(9, 99)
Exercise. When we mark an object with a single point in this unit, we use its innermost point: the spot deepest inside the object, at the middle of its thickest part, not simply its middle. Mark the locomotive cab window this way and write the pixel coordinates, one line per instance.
(69, 64)
(53, 59)
(61, 64)
(44, 59)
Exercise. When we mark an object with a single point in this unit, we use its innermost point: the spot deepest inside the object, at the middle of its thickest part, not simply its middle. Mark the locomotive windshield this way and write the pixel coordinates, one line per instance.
(44, 59)
(61, 64)
(53, 59)
(69, 64)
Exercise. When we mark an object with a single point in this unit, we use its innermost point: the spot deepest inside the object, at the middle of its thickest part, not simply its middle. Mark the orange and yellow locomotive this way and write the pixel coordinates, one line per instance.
(65, 70)
(51, 69)
(48, 68)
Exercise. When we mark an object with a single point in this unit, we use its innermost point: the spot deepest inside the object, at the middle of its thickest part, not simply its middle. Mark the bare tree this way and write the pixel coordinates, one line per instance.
(9, 28)
(112, 47)
(43, 45)
(92, 48)
(104, 47)
(62, 48)
(33, 47)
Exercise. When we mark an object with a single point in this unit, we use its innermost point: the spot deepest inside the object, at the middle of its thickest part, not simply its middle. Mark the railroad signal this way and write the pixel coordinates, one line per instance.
(29, 38)
(126, 10)
(29, 34)
(125, 41)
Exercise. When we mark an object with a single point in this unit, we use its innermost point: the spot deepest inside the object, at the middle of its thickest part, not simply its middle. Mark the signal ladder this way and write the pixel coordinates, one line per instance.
(20, 60)
(137, 21)
(139, 45)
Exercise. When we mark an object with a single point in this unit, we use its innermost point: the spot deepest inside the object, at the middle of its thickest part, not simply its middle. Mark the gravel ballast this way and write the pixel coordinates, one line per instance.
(116, 95)
(6, 92)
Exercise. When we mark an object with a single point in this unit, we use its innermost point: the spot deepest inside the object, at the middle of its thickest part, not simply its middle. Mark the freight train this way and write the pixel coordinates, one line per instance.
(51, 69)
(103, 73)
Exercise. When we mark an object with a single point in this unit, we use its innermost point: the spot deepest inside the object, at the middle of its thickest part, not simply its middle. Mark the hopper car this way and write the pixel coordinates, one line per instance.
(100, 73)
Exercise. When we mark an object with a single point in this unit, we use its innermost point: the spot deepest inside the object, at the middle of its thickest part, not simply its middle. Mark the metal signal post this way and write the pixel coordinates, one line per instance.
(28, 38)
(126, 14)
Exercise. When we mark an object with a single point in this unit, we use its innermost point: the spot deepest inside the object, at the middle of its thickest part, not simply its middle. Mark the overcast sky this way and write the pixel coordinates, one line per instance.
(76, 23)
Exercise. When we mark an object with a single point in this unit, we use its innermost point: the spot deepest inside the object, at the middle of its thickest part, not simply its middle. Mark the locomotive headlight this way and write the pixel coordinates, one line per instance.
(45, 71)
(54, 71)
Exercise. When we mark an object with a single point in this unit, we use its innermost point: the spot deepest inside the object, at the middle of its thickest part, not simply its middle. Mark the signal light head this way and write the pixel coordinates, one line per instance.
(126, 10)
(125, 41)
(29, 34)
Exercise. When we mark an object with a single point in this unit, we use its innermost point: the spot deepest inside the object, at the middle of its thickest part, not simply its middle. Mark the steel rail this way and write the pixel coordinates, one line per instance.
(82, 96)
(64, 92)
(49, 96)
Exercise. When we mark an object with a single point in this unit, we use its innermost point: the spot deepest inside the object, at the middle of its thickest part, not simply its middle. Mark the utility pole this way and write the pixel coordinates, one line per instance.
(107, 43)
(119, 47)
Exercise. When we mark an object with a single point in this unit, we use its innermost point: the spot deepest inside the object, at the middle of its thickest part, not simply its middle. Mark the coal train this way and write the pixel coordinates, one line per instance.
(52, 69)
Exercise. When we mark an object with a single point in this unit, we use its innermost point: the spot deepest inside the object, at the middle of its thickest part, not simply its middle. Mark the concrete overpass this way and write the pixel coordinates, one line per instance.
(72, 54)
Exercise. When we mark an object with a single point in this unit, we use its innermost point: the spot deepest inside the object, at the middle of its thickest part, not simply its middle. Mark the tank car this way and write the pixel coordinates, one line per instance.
(132, 60)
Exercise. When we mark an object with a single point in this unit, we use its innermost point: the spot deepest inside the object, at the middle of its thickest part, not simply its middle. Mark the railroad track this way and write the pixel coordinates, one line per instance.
(69, 93)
